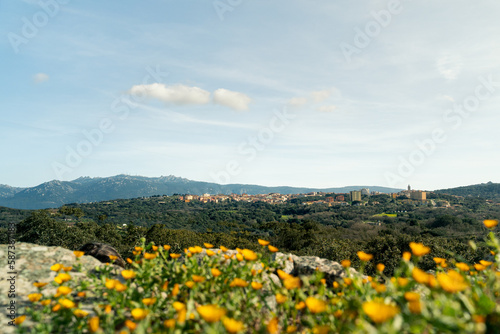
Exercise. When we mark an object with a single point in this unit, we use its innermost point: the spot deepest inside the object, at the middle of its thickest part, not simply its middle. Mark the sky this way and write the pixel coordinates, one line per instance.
(322, 93)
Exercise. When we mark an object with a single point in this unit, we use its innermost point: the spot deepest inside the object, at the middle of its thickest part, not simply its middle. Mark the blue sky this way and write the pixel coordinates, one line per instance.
(301, 93)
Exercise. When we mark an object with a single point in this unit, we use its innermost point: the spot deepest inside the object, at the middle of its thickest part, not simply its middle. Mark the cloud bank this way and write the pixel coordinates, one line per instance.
(234, 100)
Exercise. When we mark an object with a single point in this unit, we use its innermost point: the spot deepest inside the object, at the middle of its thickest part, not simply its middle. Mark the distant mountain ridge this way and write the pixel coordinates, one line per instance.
(54, 194)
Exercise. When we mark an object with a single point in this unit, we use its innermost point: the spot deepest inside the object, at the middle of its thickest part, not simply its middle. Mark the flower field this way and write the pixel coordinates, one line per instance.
(207, 290)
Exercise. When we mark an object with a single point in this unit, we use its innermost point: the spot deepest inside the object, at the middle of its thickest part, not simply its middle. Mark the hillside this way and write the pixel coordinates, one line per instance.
(488, 190)
(55, 193)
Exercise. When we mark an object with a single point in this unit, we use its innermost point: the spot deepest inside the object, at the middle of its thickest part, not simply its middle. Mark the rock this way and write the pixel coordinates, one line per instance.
(102, 252)
(307, 265)
(32, 264)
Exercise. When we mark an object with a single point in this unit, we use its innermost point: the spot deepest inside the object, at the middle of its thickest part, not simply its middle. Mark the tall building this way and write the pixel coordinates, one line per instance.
(365, 191)
(355, 195)
(418, 195)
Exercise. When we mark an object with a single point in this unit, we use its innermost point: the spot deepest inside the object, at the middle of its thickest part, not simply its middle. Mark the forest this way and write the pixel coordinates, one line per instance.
(380, 225)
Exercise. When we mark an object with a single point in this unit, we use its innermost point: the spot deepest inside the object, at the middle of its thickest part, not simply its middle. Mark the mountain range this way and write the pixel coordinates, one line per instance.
(55, 193)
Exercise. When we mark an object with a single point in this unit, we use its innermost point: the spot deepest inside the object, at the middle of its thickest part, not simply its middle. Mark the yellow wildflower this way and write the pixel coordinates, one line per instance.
(45, 302)
(93, 324)
(19, 320)
(419, 249)
(216, 272)
(379, 312)
(272, 326)
(239, 257)
(364, 256)
(210, 313)
(150, 256)
(56, 308)
(272, 249)
(420, 276)
(256, 285)
(380, 267)
(80, 313)
(155, 248)
(81, 294)
(249, 255)
(406, 256)
(280, 299)
(120, 287)
(170, 323)
(198, 279)
(315, 305)
(138, 249)
(207, 245)
(195, 249)
(166, 247)
(178, 306)
(412, 296)
(64, 290)
(62, 277)
(34, 297)
(130, 324)
(175, 290)
(232, 325)
(490, 223)
(66, 303)
(452, 281)
(415, 307)
(346, 263)
(292, 283)
(224, 249)
(479, 267)
(175, 256)
(56, 267)
(291, 329)
(39, 284)
(149, 301)
(189, 284)
(486, 263)
(263, 242)
(210, 252)
(139, 313)
(300, 305)
(110, 283)
(402, 282)
(238, 282)
(128, 274)
(321, 329)
(282, 274)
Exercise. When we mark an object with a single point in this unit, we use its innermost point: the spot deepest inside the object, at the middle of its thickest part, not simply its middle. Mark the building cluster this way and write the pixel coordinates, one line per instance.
(355, 196)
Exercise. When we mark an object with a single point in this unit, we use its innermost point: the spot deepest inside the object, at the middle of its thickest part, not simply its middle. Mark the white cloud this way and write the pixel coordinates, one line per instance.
(449, 65)
(321, 95)
(176, 94)
(40, 77)
(233, 100)
(329, 108)
(297, 101)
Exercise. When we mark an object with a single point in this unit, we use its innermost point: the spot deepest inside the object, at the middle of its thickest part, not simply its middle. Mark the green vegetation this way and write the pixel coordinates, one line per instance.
(332, 232)
(223, 293)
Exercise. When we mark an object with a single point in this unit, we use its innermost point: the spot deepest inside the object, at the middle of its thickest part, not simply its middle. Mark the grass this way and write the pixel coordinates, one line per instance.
(393, 215)
(225, 291)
